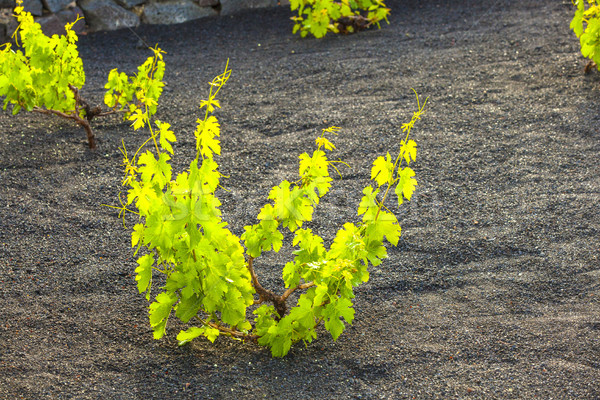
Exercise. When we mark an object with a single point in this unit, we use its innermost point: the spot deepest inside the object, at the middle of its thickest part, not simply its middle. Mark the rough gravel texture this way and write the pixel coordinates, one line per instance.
(493, 291)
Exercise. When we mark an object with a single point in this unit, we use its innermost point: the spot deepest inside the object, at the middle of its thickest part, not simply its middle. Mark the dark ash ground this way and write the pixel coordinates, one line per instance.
(493, 292)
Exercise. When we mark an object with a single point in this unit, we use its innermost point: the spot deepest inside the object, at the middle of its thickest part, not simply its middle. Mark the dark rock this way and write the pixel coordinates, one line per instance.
(175, 12)
(35, 7)
(8, 23)
(106, 15)
(55, 23)
(232, 6)
(208, 3)
(56, 5)
(3, 35)
(51, 25)
(129, 4)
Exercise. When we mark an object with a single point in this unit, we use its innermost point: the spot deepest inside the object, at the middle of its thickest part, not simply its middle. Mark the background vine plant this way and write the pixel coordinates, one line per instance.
(586, 26)
(45, 75)
(318, 17)
(209, 273)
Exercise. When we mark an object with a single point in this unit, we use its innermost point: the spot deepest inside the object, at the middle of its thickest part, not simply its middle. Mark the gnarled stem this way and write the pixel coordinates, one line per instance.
(266, 295)
(75, 116)
(228, 331)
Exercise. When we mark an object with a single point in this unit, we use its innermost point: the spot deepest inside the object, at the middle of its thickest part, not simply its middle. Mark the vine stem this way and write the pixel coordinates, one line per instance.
(266, 295)
(406, 127)
(302, 286)
(90, 113)
(229, 331)
(75, 117)
(80, 121)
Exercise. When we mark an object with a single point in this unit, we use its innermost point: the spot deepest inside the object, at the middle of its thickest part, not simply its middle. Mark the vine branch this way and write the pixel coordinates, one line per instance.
(302, 286)
(266, 295)
(229, 331)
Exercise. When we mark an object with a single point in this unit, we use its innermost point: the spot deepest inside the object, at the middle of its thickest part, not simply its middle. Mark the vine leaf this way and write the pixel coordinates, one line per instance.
(159, 312)
(166, 136)
(342, 308)
(211, 104)
(188, 307)
(408, 150)
(194, 332)
(156, 171)
(382, 170)
(206, 133)
(406, 185)
(139, 119)
(144, 273)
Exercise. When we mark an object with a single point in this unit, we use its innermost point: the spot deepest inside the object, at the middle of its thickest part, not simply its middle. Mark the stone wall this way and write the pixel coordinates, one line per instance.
(102, 15)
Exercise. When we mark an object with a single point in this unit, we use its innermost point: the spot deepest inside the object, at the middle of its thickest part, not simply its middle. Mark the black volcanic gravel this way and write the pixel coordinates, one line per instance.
(493, 291)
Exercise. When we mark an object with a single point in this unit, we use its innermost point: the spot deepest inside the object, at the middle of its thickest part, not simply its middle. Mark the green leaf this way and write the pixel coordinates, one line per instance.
(281, 337)
(137, 234)
(577, 21)
(211, 334)
(144, 273)
(382, 170)
(188, 307)
(270, 238)
(306, 259)
(303, 313)
(156, 171)
(347, 243)
(386, 226)
(290, 274)
(192, 333)
(342, 308)
(292, 207)
(206, 134)
(189, 335)
(233, 311)
(275, 334)
(315, 175)
(368, 204)
(139, 119)
(252, 241)
(263, 322)
(166, 136)
(294, 4)
(406, 185)
(159, 233)
(408, 150)
(159, 313)
(211, 104)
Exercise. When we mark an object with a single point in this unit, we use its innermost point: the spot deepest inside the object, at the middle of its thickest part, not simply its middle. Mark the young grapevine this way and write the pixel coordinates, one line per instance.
(318, 17)
(586, 25)
(209, 274)
(45, 74)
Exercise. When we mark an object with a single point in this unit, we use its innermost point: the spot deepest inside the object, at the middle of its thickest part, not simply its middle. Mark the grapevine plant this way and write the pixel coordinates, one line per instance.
(45, 75)
(318, 17)
(210, 278)
(589, 35)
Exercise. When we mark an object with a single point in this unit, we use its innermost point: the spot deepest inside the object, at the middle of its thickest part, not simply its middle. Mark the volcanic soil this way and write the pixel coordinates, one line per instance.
(493, 291)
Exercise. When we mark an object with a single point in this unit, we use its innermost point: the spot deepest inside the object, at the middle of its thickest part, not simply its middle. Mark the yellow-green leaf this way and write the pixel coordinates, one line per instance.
(382, 170)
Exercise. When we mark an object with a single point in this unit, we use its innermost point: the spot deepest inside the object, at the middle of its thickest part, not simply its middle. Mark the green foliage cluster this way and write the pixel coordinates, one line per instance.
(209, 275)
(130, 94)
(586, 25)
(45, 74)
(318, 17)
(42, 72)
